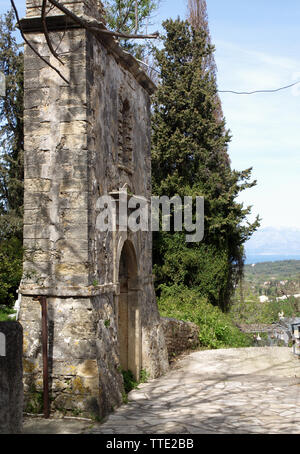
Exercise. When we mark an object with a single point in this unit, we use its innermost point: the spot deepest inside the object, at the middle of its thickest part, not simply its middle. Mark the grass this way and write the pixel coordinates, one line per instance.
(5, 311)
(35, 403)
(130, 382)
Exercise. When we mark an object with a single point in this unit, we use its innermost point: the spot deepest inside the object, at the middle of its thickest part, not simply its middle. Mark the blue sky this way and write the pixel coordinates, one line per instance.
(257, 47)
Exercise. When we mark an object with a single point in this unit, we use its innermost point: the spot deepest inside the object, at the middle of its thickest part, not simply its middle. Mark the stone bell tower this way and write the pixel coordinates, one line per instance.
(85, 139)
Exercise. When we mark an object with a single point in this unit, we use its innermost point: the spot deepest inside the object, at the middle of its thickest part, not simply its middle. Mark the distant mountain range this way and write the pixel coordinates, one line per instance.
(271, 243)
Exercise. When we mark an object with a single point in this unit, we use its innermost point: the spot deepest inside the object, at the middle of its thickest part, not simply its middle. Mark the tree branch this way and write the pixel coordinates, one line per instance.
(126, 14)
(31, 46)
(136, 17)
(46, 32)
(98, 26)
(93, 26)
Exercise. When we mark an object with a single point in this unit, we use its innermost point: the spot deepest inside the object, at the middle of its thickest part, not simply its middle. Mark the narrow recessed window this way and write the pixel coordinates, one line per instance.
(125, 135)
(2, 344)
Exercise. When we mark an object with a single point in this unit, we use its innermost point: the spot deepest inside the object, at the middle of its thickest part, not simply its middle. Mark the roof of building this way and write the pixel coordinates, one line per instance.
(125, 59)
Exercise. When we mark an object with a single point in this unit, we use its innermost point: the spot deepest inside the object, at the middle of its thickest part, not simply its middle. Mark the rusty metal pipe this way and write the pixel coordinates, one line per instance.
(43, 301)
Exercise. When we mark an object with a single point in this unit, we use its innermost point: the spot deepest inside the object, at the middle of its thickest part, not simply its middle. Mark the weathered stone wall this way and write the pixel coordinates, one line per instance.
(109, 173)
(56, 161)
(83, 354)
(11, 385)
(93, 8)
(180, 336)
(84, 140)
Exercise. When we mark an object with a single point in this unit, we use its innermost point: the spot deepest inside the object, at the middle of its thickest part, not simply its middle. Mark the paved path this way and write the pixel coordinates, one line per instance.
(255, 390)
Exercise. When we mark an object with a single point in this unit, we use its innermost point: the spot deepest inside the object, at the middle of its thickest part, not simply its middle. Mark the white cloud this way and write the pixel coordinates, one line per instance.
(233, 50)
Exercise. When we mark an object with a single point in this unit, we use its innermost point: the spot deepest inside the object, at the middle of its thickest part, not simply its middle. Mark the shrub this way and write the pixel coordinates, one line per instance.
(5, 312)
(11, 258)
(35, 401)
(202, 266)
(129, 381)
(216, 328)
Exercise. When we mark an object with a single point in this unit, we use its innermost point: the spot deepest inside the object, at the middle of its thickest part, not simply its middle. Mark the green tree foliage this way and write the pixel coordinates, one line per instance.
(190, 157)
(11, 257)
(11, 162)
(130, 17)
(11, 132)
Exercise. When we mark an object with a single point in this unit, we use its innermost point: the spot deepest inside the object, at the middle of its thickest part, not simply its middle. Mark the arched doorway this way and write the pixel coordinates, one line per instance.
(129, 325)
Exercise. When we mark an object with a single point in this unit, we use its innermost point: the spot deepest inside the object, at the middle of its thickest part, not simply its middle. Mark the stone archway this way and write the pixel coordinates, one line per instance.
(129, 324)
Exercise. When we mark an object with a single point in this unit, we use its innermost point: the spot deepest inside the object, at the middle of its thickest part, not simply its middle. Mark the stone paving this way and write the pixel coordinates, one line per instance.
(233, 391)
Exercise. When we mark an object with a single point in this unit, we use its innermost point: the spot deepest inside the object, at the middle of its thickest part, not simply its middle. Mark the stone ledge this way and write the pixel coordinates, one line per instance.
(75, 291)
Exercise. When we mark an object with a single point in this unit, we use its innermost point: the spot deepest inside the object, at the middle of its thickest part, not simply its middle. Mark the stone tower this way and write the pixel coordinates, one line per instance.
(83, 140)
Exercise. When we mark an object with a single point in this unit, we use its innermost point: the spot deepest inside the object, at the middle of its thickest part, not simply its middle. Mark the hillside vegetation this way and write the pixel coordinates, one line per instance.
(281, 270)
(217, 330)
(268, 289)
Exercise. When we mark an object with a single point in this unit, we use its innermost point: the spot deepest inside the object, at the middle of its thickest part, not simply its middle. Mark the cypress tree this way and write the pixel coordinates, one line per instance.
(11, 162)
(130, 16)
(11, 132)
(190, 157)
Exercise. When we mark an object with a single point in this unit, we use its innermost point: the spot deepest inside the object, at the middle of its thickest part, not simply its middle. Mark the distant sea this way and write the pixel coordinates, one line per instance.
(259, 258)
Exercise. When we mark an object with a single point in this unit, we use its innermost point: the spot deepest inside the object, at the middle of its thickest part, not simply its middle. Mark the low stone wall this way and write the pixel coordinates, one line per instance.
(11, 372)
(179, 336)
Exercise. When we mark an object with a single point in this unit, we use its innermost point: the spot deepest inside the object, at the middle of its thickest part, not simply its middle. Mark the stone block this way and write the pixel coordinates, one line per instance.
(37, 185)
(68, 114)
(30, 309)
(37, 231)
(72, 232)
(37, 216)
(180, 336)
(70, 269)
(73, 127)
(38, 144)
(71, 251)
(73, 200)
(36, 97)
(34, 201)
(40, 169)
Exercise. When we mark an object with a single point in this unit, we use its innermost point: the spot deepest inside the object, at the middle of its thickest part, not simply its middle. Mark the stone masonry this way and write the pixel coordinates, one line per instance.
(180, 336)
(83, 140)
